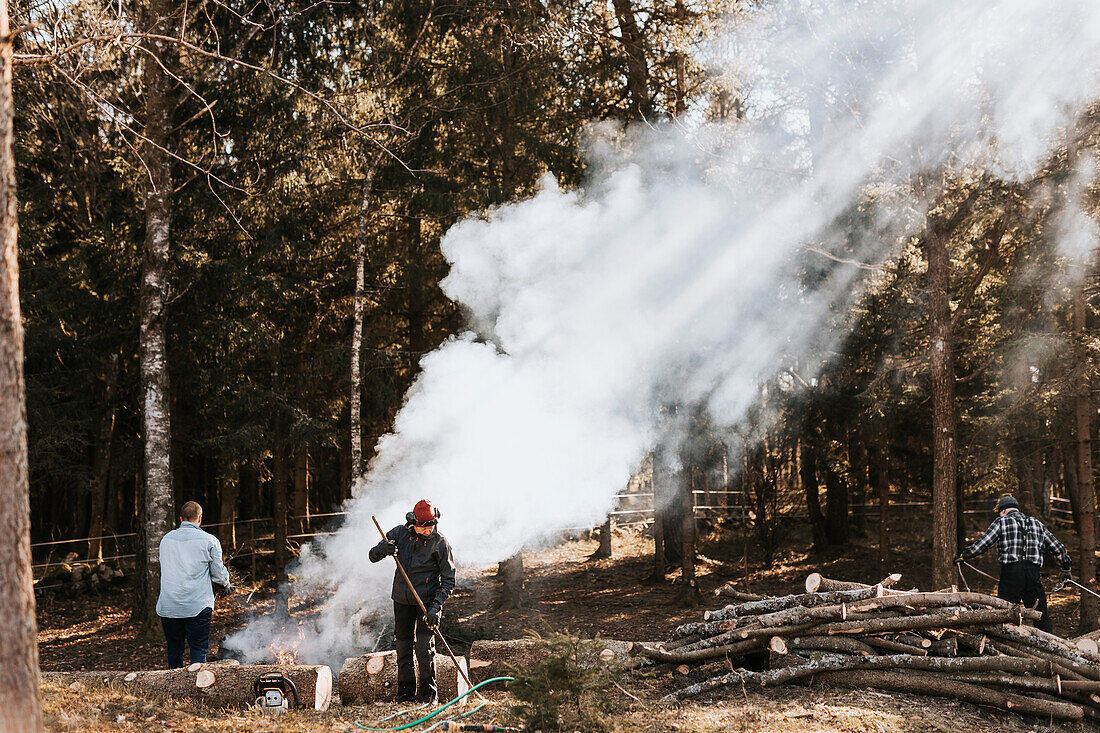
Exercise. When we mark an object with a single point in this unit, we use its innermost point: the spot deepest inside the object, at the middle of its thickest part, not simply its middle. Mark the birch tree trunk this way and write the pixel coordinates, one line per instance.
(1084, 504)
(280, 471)
(355, 400)
(300, 497)
(18, 648)
(158, 504)
(944, 421)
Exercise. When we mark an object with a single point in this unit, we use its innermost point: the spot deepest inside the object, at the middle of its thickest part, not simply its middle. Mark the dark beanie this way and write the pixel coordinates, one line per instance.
(1007, 502)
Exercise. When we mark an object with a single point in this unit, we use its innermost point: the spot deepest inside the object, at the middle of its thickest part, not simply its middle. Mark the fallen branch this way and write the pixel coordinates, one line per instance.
(835, 663)
(937, 686)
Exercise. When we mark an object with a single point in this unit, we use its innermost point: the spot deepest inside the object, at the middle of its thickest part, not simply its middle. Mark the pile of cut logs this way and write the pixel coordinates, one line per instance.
(72, 577)
(961, 645)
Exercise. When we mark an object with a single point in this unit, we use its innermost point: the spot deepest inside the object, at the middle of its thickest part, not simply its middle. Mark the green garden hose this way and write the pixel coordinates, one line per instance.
(437, 712)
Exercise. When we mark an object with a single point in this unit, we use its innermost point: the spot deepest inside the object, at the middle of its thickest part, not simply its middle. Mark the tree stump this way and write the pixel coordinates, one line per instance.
(373, 678)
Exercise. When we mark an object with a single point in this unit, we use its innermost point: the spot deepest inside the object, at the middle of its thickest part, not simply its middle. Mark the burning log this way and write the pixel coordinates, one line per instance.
(218, 684)
(373, 678)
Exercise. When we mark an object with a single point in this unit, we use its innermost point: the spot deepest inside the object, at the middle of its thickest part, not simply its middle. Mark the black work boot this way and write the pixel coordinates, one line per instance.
(427, 693)
(406, 691)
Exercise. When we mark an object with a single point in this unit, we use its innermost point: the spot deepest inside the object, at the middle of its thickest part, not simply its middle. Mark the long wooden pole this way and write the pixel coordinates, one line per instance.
(423, 610)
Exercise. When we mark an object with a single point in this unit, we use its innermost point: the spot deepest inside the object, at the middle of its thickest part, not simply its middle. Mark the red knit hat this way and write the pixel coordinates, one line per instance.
(426, 515)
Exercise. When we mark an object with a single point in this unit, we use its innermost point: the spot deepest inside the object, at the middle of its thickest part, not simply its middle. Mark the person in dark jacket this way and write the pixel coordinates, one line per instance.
(426, 556)
(1020, 543)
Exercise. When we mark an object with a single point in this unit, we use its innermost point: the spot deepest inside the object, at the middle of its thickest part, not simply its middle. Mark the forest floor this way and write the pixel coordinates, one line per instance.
(609, 598)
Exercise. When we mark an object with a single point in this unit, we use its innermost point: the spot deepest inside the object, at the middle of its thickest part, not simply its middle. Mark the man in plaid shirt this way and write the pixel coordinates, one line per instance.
(1020, 543)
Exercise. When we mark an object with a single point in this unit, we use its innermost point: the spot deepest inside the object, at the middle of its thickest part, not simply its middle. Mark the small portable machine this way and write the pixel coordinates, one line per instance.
(273, 692)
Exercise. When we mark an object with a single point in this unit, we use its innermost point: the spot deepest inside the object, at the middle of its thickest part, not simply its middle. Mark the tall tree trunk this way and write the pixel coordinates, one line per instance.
(836, 516)
(689, 594)
(229, 486)
(19, 696)
(101, 463)
(882, 488)
(637, 72)
(355, 397)
(944, 418)
(1085, 500)
(655, 482)
(158, 505)
(300, 498)
(808, 476)
(279, 480)
(679, 62)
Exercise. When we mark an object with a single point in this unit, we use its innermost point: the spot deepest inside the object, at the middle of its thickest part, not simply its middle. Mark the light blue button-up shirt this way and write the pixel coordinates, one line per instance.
(189, 560)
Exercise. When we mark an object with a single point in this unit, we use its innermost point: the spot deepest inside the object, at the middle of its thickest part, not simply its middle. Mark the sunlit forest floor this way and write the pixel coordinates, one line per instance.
(567, 592)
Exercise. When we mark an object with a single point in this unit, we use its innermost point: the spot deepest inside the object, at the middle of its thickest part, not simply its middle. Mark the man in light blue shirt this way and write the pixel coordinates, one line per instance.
(190, 560)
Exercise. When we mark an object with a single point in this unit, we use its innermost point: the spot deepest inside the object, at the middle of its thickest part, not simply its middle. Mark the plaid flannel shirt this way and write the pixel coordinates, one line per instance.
(1019, 537)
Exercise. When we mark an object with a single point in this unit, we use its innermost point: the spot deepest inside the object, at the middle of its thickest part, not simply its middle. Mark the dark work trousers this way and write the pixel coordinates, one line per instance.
(1020, 583)
(197, 632)
(408, 619)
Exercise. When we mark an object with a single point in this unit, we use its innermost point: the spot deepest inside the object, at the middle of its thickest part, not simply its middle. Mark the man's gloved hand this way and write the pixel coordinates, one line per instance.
(389, 547)
(1065, 575)
(433, 616)
(222, 591)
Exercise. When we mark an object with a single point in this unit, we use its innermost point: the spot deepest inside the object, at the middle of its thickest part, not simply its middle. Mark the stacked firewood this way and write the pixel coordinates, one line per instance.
(962, 645)
(73, 577)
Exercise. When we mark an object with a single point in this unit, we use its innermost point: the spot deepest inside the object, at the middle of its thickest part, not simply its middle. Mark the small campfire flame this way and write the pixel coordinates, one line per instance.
(286, 656)
(286, 652)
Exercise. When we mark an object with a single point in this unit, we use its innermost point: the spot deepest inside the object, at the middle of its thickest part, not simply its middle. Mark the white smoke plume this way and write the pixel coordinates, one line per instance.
(699, 260)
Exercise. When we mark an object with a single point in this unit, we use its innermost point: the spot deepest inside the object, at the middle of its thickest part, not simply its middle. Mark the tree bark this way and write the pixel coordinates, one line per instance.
(222, 685)
(770, 605)
(355, 397)
(836, 662)
(1084, 504)
(513, 594)
(19, 694)
(300, 497)
(658, 574)
(101, 463)
(604, 550)
(159, 504)
(689, 594)
(937, 686)
(818, 583)
(637, 71)
(229, 486)
(808, 476)
(373, 678)
(944, 417)
(836, 517)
